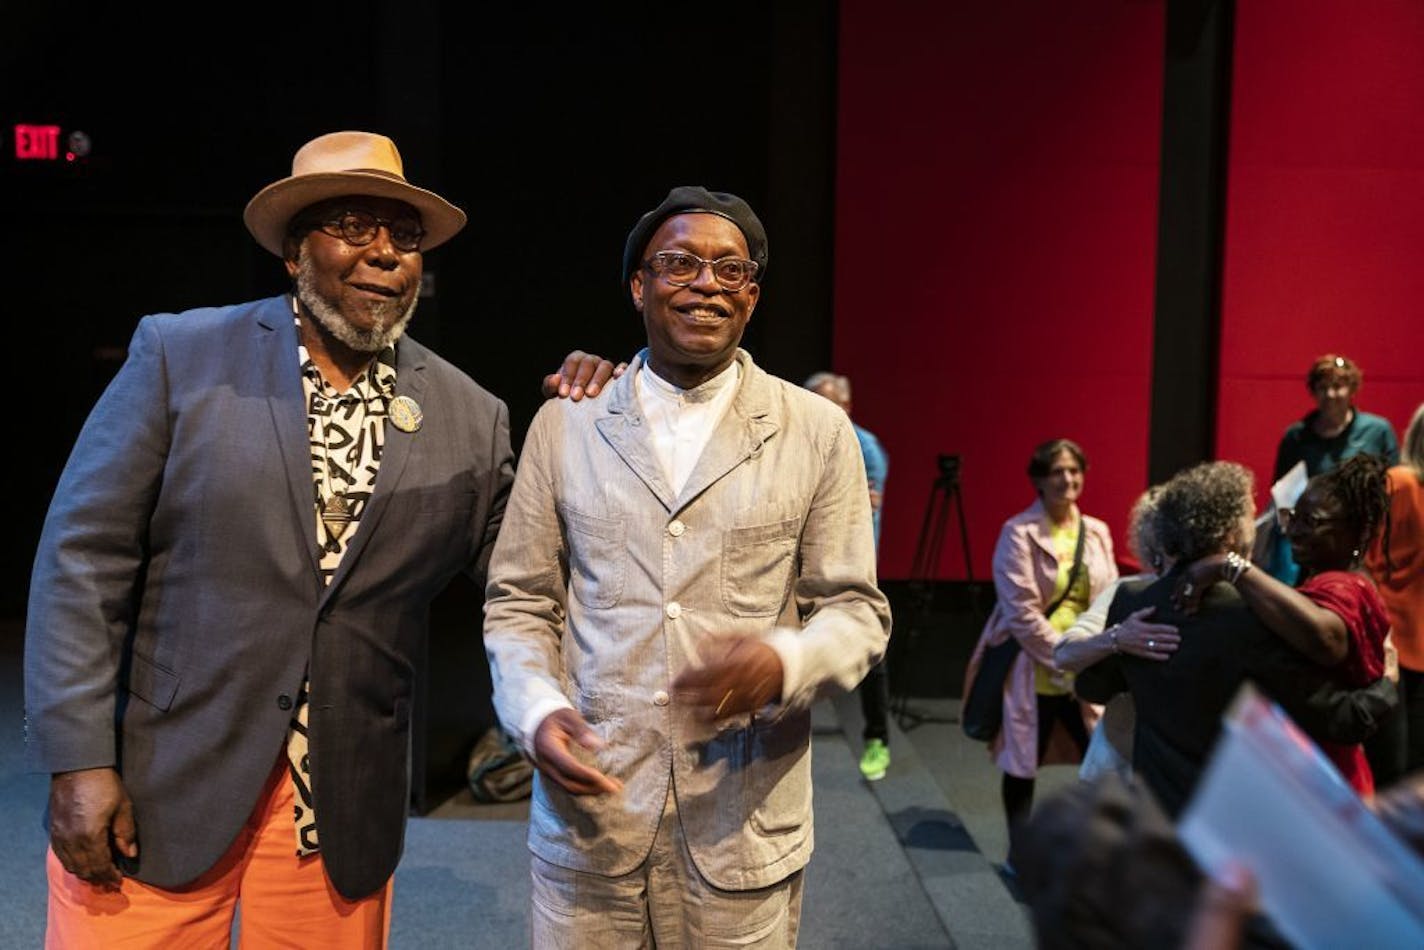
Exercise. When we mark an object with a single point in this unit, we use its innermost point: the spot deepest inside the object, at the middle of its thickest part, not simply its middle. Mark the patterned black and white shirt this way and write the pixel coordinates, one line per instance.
(346, 432)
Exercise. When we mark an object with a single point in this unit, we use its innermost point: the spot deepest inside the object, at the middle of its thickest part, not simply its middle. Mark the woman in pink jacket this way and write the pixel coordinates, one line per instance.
(1039, 593)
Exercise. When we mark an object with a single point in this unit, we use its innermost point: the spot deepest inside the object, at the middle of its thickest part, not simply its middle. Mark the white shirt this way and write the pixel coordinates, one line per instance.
(681, 421)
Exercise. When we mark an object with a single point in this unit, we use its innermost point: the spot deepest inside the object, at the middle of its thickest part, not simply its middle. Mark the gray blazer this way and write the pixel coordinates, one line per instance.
(176, 599)
(607, 586)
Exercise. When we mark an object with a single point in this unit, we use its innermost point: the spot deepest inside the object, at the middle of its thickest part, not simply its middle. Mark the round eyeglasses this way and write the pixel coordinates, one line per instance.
(1314, 520)
(681, 269)
(359, 228)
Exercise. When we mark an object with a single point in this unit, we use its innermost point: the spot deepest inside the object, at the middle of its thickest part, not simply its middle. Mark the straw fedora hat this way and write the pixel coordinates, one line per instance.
(346, 163)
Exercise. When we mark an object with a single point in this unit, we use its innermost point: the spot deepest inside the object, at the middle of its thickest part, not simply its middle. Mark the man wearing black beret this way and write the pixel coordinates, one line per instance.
(693, 567)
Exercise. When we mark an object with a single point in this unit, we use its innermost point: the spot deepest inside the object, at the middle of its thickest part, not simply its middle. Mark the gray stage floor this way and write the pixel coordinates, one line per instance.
(906, 862)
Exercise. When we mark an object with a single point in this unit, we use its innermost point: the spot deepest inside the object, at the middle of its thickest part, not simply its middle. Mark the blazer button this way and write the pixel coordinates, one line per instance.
(673, 610)
(660, 698)
(676, 528)
(284, 701)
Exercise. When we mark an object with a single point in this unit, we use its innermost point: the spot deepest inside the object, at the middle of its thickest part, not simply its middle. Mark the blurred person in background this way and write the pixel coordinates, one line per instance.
(1397, 562)
(1103, 868)
(1335, 430)
(1090, 639)
(1051, 560)
(874, 690)
(1336, 616)
(1206, 514)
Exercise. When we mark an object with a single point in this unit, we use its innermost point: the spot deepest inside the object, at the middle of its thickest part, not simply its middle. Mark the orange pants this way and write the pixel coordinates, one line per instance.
(285, 901)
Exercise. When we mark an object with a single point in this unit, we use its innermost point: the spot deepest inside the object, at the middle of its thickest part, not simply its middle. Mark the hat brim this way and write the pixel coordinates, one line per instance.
(272, 208)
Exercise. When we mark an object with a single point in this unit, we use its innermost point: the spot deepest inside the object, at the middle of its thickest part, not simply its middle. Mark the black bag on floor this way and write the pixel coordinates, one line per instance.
(498, 770)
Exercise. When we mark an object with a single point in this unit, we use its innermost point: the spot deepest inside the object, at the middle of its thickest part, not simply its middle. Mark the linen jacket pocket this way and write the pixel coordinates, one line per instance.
(757, 563)
(595, 547)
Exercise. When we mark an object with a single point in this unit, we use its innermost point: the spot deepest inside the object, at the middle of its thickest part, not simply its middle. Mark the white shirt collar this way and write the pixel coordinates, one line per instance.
(681, 421)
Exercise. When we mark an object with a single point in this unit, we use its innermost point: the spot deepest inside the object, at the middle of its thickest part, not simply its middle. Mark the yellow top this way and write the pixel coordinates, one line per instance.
(1065, 540)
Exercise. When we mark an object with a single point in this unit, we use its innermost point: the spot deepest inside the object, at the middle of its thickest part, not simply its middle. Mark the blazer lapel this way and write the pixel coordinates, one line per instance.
(625, 429)
(282, 381)
(740, 434)
(1042, 532)
(410, 381)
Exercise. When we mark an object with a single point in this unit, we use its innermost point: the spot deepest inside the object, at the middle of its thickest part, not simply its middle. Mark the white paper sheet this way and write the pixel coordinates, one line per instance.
(1289, 487)
(1329, 872)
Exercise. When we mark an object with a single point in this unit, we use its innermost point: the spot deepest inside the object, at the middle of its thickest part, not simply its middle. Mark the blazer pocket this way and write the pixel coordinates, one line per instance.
(757, 563)
(783, 809)
(152, 683)
(597, 550)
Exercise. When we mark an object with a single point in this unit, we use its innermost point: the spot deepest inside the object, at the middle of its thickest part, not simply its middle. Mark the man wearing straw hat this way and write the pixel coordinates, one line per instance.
(231, 593)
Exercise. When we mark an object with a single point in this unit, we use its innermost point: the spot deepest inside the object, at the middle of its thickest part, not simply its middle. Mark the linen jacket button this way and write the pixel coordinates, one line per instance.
(673, 610)
(660, 698)
(676, 528)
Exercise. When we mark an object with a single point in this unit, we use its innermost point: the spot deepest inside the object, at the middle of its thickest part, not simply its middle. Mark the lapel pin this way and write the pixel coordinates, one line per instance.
(405, 414)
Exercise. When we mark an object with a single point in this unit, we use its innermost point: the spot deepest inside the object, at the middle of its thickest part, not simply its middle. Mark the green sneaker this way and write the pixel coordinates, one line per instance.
(875, 760)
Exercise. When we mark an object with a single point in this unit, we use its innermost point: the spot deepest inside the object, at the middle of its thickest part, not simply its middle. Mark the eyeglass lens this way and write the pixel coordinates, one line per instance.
(359, 228)
(682, 268)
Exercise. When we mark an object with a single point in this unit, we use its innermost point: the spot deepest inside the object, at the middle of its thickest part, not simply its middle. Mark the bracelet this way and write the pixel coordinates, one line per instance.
(1112, 635)
(1234, 568)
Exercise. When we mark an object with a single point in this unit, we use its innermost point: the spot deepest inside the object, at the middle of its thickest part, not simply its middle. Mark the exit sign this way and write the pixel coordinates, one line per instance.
(37, 142)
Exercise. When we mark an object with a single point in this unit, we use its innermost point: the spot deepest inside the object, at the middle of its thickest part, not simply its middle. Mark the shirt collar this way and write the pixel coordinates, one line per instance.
(663, 390)
(378, 376)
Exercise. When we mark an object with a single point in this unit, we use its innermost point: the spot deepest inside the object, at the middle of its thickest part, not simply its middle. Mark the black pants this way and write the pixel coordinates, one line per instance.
(1398, 748)
(1017, 793)
(1411, 712)
(875, 702)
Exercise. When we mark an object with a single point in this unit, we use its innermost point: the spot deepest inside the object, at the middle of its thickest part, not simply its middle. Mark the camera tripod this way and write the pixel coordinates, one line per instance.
(943, 492)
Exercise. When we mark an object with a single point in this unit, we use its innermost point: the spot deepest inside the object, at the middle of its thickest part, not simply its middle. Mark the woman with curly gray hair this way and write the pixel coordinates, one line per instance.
(1207, 511)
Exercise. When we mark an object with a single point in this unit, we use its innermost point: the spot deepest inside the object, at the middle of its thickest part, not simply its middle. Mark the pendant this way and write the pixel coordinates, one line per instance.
(405, 414)
(336, 515)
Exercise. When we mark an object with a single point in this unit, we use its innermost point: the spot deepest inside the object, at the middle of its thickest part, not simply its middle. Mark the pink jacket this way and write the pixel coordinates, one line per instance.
(1025, 572)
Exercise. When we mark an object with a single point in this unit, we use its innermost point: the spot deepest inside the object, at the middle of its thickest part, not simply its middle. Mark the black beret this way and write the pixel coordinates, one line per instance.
(685, 198)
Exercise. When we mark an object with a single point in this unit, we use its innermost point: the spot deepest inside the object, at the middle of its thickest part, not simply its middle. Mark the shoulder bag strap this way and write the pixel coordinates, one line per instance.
(1072, 571)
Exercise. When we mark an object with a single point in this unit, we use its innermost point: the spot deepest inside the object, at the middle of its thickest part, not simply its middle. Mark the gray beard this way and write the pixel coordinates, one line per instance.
(389, 321)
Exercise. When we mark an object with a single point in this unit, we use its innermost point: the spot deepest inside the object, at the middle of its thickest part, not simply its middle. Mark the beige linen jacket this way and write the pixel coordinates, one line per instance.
(603, 587)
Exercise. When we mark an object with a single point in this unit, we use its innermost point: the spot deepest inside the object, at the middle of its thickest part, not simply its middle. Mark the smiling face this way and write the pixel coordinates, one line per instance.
(363, 296)
(1334, 395)
(1063, 483)
(1319, 533)
(693, 331)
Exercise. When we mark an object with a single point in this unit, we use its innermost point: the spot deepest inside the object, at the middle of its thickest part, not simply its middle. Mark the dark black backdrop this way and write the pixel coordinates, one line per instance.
(553, 128)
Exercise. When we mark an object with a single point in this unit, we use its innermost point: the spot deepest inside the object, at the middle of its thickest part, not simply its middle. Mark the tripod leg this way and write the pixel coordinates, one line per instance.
(963, 532)
(926, 567)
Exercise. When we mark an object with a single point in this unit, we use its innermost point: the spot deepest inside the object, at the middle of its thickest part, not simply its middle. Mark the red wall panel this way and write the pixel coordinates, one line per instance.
(1325, 213)
(996, 202)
